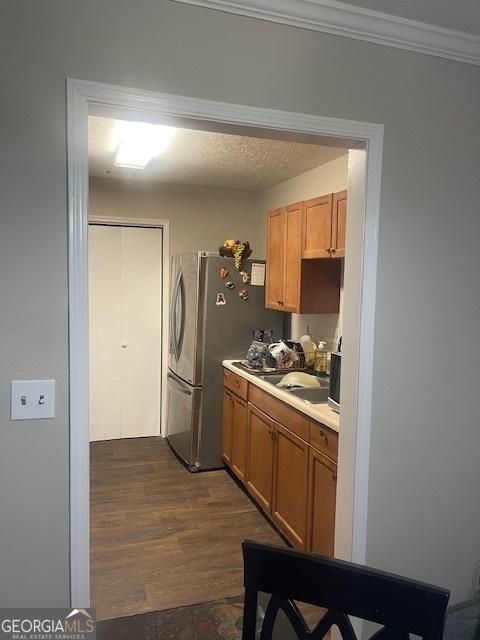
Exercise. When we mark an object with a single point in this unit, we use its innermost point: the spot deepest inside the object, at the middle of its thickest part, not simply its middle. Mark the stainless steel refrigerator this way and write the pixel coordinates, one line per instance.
(202, 334)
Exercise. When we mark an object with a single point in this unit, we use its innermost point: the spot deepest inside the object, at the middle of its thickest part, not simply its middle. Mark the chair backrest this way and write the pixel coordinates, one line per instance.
(402, 606)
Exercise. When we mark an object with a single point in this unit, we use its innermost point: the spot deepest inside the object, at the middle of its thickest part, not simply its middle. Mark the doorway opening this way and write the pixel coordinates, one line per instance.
(350, 140)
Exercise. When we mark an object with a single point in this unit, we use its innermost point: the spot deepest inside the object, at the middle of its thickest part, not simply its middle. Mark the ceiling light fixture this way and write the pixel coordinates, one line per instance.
(140, 142)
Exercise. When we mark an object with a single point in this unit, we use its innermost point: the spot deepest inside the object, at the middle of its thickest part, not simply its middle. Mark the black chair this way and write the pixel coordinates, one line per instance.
(401, 605)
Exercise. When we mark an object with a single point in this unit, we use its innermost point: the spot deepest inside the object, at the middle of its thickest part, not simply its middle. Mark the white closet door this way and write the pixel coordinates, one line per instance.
(125, 272)
(105, 332)
(141, 335)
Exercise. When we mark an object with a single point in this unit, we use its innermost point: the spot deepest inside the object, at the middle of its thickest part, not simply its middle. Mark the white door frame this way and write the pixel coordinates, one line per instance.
(81, 94)
(164, 225)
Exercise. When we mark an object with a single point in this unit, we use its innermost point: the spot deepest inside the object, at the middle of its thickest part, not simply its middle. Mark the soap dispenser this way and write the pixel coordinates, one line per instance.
(320, 365)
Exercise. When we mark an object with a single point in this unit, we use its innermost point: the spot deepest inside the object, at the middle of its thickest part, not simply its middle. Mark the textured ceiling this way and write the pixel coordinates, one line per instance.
(209, 158)
(460, 15)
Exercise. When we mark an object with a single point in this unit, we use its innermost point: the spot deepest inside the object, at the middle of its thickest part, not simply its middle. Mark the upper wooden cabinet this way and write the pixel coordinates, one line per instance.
(339, 224)
(317, 231)
(293, 257)
(293, 284)
(285, 232)
(324, 226)
(275, 282)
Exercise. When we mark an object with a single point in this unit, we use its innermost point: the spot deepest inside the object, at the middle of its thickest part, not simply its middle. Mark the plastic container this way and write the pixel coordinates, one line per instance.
(309, 350)
(320, 365)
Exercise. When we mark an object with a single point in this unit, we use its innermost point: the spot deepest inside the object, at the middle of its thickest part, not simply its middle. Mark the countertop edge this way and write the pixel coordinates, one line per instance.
(318, 412)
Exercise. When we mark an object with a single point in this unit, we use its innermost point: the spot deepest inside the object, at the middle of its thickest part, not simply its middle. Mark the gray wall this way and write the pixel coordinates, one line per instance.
(423, 516)
(200, 218)
(327, 178)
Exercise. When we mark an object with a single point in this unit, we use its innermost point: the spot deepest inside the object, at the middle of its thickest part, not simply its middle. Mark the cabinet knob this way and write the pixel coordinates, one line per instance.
(332, 250)
(279, 301)
(334, 477)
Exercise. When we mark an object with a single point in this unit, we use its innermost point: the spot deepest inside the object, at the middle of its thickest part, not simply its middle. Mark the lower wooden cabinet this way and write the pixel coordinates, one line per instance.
(290, 485)
(227, 423)
(234, 433)
(290, 470)
(322, 493)
(277, 474)
(260, 443)
(239, 437)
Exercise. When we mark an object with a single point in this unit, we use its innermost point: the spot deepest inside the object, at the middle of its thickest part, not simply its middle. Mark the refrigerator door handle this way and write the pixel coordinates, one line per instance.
(181, 293)
(173, 318)
(185, 390)
(172, 321)
(172, 339)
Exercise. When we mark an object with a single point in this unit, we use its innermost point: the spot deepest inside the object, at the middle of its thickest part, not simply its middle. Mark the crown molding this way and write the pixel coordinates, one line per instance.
(342, 19)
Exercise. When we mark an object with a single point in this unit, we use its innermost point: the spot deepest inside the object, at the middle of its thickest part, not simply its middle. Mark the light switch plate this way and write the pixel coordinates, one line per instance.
(32, 399)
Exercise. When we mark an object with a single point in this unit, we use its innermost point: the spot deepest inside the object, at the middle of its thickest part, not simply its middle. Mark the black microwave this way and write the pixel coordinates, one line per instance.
(335, 373)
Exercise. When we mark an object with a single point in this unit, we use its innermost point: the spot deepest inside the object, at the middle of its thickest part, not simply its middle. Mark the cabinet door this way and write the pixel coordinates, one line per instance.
(339, 224)
(274, 289)
(227, 427)
(260, 457)
(317, 232)
(293, 257)
(290, 485)
(321, 503)
(239, 437)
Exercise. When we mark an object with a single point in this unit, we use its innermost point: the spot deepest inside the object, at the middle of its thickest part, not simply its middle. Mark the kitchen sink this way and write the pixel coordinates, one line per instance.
(304, 393)
(315, 395)
(273, 378)
(312, 396)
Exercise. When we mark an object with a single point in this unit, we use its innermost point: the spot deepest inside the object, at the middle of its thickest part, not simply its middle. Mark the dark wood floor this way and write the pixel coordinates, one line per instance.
(162, 537)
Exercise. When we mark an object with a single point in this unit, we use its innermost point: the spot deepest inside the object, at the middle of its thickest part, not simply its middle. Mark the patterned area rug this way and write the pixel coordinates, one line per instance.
(217, 620)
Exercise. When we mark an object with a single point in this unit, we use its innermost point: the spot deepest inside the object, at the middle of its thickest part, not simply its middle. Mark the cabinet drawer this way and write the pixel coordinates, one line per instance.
(296, 422)
(235, 383)
(324, 440)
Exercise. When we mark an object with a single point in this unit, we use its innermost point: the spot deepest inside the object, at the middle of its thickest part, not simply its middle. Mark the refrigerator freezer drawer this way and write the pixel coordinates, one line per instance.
(183, 419)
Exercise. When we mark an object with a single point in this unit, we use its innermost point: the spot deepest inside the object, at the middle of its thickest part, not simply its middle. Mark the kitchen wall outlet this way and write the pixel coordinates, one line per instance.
(32, 399)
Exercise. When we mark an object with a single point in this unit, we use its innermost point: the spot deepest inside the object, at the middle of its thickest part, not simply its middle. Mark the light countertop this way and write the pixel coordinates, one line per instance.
(320, 412)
